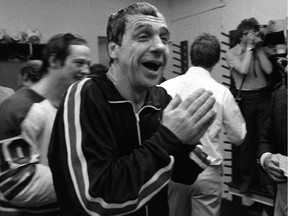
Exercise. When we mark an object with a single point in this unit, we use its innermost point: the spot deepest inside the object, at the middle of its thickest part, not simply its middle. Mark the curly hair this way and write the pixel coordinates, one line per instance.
(246, 24)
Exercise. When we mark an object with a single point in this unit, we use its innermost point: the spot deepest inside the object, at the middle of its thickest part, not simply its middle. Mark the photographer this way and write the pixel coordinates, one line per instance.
(249, 66)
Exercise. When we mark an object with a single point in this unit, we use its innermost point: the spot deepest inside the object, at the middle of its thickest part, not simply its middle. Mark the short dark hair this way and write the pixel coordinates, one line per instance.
(205, 51)
(32, 70)
(246, 24)
(117, 21)
(97, 70)
(59, 47)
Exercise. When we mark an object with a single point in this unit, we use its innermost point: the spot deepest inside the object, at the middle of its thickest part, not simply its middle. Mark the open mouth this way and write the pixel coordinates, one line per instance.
(154, 66)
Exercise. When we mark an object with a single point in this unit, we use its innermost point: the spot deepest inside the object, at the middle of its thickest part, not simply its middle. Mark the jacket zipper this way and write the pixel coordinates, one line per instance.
(138, 133)
(138, 127)
(139, 138)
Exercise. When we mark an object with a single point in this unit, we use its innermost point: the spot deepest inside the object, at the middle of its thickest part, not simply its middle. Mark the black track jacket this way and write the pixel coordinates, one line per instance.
(107, 160)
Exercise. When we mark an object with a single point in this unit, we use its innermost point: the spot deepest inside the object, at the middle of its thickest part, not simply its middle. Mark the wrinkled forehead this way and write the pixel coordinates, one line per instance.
(133, 21)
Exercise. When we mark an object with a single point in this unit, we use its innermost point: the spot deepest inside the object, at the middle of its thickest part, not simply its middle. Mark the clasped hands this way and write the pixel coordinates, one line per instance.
(190, 119)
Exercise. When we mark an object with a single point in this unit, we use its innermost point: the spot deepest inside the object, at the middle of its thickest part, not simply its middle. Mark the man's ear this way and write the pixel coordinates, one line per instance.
(113, 50)
(53, 62)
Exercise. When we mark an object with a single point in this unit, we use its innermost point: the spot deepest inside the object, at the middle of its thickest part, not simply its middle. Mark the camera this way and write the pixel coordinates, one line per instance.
(260, 35)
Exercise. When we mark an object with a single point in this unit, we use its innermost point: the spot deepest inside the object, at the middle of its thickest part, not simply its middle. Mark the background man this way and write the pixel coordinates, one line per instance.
(204, 196)
(25, 178)
(30, 73)
(249, 65)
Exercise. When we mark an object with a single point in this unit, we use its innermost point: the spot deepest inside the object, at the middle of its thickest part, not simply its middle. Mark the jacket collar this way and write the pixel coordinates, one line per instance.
(113, 96)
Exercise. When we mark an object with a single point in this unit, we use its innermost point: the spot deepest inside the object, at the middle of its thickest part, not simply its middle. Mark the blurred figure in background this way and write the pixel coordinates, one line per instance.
(204, 196)
(26, 120)
(97, 70)
(30, 73)
(249, 66)
(276, 49)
